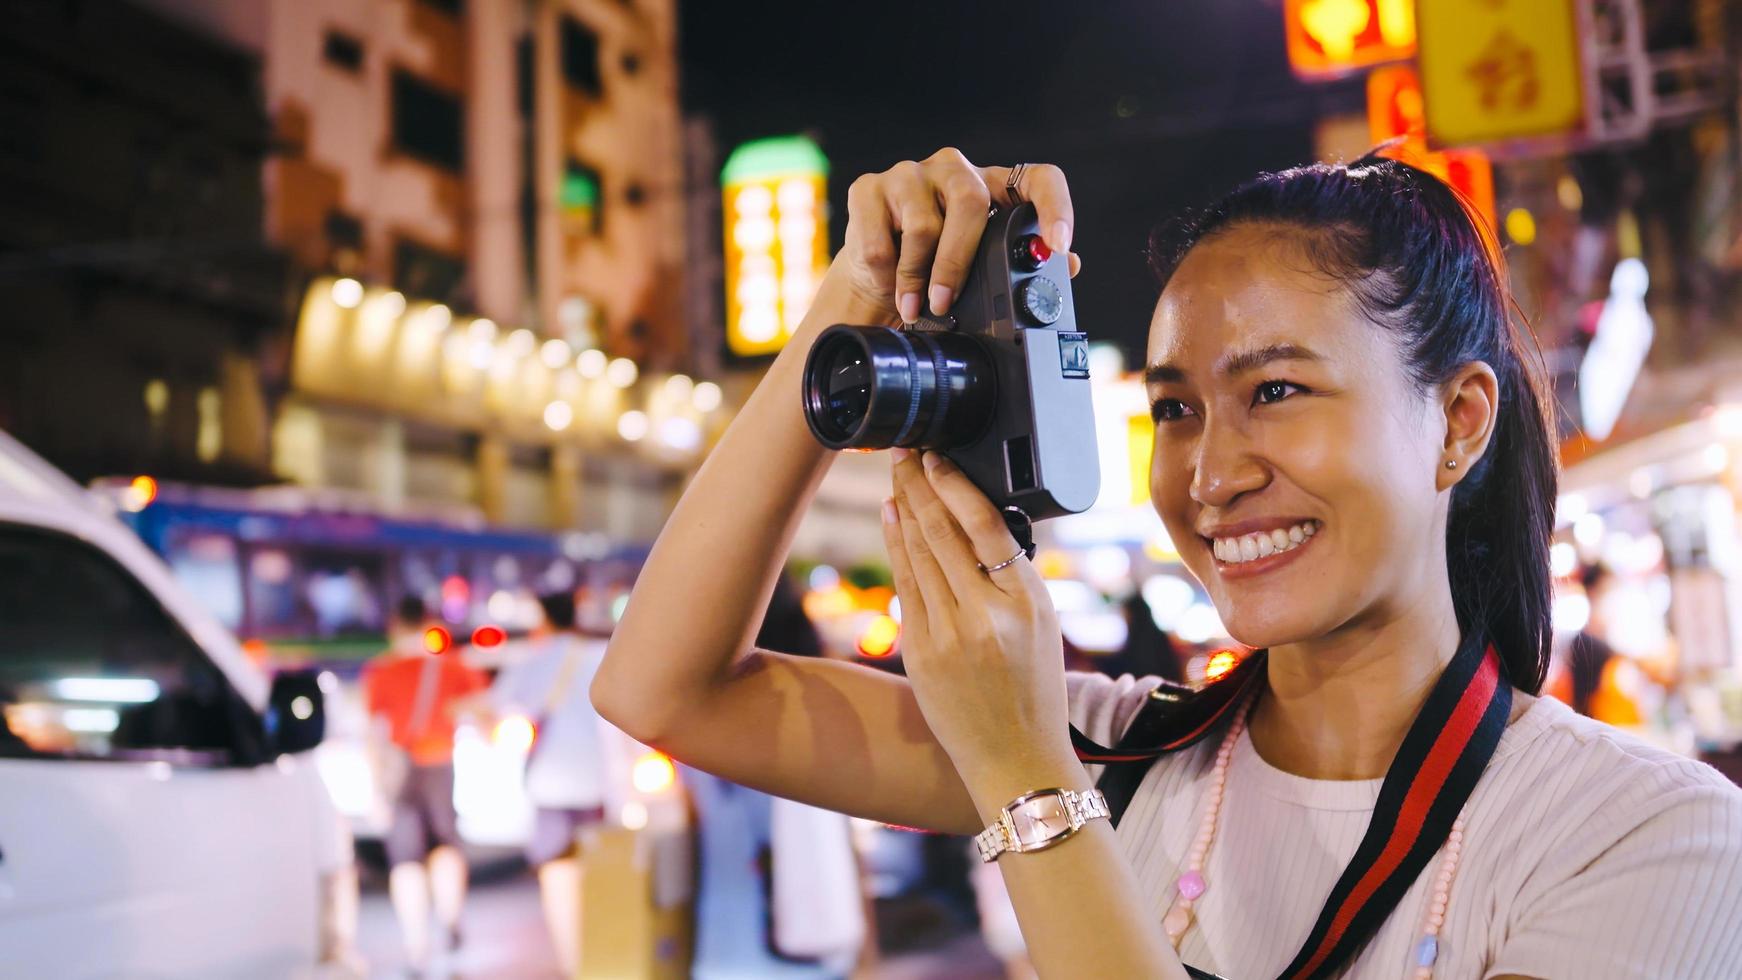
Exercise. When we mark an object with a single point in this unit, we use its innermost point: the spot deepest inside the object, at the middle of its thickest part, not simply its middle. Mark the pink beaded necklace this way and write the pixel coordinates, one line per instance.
(1190, 886)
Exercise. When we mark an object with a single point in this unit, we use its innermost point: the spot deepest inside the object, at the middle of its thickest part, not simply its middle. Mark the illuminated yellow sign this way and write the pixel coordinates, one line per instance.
(1499, 69)
(777, 249)
(1140, 441)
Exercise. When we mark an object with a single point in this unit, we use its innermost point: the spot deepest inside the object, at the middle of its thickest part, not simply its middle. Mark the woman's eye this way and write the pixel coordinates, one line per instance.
(1170, 410)
(1274, 391)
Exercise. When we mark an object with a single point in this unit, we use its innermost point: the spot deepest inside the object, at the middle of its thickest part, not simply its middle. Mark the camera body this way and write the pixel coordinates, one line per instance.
(1000, 385)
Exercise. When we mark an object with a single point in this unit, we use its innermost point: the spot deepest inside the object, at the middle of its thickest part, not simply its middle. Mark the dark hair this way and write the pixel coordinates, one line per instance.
(1419, 263)
(559, 609)
(411, 610)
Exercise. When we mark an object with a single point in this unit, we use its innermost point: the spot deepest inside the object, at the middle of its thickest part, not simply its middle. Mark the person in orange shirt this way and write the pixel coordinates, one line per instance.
(1591, 680)
(414, 695)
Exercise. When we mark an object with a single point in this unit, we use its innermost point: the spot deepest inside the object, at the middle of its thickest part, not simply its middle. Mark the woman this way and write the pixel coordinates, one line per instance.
(1352, 457)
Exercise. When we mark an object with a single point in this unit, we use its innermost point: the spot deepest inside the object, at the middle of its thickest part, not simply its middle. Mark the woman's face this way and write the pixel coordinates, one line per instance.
(1295, 462)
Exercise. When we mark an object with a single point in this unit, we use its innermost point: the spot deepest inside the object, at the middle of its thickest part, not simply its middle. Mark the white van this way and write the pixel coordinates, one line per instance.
(156, 816)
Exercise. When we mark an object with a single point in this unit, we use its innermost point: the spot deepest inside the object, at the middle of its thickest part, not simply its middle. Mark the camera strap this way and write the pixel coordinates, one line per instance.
(1435, 771)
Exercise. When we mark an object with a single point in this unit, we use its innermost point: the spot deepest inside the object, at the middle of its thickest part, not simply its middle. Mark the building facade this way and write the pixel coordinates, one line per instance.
(139, 294)
(485, 200)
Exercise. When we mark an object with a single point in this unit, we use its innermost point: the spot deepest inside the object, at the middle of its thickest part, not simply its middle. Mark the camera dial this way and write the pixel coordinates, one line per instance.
(1041, 300)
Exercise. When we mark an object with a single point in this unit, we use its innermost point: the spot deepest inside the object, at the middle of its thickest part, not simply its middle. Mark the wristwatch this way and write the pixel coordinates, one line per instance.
(1038, 820)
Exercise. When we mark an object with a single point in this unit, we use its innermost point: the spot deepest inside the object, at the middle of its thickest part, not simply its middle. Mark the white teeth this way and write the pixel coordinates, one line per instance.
(1262, 544)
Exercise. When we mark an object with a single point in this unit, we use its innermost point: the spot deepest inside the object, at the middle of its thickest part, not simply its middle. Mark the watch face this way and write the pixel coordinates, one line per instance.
(1039, 819)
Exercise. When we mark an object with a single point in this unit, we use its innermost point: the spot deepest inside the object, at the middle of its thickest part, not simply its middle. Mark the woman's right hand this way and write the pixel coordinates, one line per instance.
(913, 229)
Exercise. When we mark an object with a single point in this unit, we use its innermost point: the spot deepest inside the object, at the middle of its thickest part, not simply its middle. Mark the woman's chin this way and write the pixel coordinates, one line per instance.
(1262, 629)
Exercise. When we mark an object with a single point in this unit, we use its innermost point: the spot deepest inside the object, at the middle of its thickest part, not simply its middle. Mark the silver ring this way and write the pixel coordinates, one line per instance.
(1006, 563)
(1013, 185)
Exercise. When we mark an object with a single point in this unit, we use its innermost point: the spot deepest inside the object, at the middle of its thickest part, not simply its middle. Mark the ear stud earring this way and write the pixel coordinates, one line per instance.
(1451, 464)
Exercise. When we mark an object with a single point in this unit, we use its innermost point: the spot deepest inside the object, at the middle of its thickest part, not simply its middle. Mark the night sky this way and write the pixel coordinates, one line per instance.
(1150, 106)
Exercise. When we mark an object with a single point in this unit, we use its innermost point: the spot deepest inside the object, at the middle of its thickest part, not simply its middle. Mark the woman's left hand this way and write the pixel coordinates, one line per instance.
(982, 649)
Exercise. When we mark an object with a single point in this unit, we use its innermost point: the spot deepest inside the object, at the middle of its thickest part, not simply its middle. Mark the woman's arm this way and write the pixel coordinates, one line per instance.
(681, 672)
(985, 656)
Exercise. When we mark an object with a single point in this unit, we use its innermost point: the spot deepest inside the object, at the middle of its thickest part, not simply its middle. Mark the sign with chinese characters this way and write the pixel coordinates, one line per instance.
(1332, 38)
(1499, 69)
(1396, 107)
(777, 249)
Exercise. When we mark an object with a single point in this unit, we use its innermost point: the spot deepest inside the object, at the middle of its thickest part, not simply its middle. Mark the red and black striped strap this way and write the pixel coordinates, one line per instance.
(1433, 775)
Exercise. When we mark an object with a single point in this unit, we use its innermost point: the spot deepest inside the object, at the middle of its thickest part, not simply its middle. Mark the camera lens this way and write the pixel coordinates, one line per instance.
(873, 388)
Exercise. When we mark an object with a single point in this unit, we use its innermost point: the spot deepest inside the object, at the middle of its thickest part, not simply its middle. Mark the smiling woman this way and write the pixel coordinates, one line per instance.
(1353, 457)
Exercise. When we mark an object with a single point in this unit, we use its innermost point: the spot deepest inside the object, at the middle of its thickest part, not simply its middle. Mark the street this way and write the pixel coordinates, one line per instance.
(504, 939)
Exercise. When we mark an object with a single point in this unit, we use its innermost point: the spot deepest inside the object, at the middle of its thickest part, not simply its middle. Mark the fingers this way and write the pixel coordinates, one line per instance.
(1045, 186)
(929, 583)
(913, 613)
(1076, 264)
(988, 537)
(912, 200)
(916, 227)
(949, 546)
(966, 200)
(871, 236)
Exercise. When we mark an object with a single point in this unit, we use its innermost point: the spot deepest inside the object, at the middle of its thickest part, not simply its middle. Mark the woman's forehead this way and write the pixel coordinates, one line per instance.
(1249, 286)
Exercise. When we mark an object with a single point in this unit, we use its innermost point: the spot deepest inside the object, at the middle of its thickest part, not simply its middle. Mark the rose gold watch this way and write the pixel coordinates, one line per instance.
(1038, 820)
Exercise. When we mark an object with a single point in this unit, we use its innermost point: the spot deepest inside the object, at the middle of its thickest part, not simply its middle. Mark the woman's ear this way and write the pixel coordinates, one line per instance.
(1472, 406)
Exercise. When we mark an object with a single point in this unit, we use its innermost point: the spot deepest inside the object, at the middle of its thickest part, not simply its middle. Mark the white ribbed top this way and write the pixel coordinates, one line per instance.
(1587, 853)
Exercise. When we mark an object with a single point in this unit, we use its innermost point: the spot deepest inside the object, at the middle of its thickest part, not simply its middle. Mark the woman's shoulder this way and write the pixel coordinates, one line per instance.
(1596, 781)
(1550, 735)
(1609, 856)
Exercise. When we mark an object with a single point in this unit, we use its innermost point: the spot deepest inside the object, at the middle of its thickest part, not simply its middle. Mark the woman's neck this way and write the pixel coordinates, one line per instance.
(1339, 706)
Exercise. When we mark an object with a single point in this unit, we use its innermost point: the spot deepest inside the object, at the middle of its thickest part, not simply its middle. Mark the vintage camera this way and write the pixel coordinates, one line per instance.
(1000, 385)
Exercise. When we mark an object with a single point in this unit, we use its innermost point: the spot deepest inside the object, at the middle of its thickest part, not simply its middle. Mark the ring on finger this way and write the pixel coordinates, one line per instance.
(1013, 185)
(1006, 563)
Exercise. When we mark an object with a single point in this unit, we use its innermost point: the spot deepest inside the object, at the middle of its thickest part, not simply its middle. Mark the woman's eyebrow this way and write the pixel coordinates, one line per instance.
(1232, 363)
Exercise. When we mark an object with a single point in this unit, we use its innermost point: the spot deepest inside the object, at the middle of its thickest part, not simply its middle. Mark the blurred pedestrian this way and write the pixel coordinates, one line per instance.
(565, 770)
(1148, 650)
(414, 694)
(1596, 680)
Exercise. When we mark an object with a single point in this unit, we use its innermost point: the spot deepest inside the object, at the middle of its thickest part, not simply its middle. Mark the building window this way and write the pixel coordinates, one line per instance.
(423, 271)
(343, 51)
(428, 124)
(579, 198)
(580, 55)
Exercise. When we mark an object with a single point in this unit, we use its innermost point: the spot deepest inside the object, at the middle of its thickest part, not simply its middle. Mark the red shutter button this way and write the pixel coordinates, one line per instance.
(1031, 252)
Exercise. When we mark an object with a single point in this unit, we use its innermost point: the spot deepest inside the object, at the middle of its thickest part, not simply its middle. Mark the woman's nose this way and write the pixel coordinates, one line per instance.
(1225, 467)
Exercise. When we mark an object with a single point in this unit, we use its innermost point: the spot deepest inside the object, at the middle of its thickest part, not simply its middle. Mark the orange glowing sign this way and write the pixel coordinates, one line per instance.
(1331, 38)
(1396, 106)
(1219, 664)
